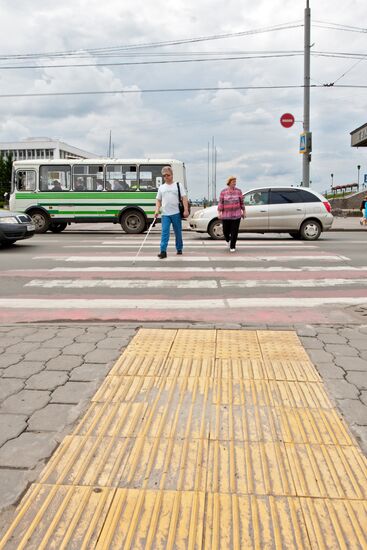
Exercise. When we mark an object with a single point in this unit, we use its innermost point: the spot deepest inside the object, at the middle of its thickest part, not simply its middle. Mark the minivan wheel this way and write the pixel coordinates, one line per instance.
(215, 230)
(310, 230)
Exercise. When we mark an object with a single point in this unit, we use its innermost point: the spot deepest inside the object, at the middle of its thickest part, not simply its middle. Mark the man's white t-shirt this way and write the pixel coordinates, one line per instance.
(168, 194)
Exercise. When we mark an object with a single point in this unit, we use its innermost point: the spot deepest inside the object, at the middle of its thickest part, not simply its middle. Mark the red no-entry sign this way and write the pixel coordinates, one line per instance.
(287, 120)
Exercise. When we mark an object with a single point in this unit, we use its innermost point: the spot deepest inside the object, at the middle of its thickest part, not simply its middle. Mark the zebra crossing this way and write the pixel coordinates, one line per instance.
(266, 280)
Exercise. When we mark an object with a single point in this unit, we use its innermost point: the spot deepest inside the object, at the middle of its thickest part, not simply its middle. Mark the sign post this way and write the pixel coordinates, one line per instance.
(287, 120)
(305, 142)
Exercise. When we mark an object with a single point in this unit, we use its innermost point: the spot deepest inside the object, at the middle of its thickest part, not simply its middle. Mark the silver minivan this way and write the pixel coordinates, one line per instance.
(303, 213)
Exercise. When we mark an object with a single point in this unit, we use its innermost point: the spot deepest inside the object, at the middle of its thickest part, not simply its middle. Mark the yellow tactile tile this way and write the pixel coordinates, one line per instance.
(335, 523)
(152, 342)
(203, 439)
(331, 471)
(131, 364)
(311, 425)
(113, 419)
(254, 522)
(129, 388)
(270, 393)
(234, 344)
(249, 468)
(194, 344)
(154, 520)
(172, 464)
(59, 517)
(258, 369)
(283, 345)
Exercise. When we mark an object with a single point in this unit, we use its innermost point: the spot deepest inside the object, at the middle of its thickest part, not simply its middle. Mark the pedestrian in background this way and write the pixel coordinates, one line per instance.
(363, 208)
(230, 210)
(168, 200)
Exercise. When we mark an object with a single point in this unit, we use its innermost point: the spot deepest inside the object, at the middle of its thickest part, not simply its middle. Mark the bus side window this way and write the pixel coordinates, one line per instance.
(121, 177)
(88, 177)
(150, 176)
(26, 180)
(49, 175)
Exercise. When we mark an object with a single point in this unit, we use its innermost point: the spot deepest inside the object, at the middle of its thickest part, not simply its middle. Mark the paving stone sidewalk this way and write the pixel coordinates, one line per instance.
(48, 373)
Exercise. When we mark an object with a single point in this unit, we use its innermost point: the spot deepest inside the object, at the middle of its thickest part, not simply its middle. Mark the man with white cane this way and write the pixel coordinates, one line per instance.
(168, 199)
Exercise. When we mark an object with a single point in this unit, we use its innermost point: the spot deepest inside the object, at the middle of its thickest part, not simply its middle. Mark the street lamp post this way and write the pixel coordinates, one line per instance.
(332, 181)
(306, 94)
(358, 169)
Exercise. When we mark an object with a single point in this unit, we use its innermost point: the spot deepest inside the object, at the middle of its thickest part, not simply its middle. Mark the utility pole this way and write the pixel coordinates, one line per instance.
(215, 175)
(306, 96)
(109, 145)
(208, 173)
(213, 192)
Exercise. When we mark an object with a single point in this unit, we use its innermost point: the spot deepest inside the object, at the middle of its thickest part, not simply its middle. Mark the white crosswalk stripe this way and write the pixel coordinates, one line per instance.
(202, 258)
(96, 279)
(163, 284)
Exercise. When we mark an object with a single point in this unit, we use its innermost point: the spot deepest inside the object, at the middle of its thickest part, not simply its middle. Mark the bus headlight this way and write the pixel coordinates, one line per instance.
(9, 219)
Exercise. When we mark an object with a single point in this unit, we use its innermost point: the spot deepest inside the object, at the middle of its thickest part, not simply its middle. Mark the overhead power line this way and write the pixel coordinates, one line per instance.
(170, 90)
(138, 46)
(338, 26)
(161, 62)
(234, 57)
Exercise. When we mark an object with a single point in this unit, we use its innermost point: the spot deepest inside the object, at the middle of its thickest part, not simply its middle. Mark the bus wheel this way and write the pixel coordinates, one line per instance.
(57, 227)
(40, 220)
(133, 221)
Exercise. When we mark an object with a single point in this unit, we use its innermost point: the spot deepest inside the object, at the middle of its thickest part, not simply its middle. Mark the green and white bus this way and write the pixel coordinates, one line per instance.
(59, 192)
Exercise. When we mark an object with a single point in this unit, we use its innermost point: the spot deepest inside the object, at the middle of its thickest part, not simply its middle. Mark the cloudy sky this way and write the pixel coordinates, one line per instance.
(268, 35)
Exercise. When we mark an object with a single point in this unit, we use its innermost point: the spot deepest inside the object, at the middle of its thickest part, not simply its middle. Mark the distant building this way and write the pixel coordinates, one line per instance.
(42, 148)
(359, 136)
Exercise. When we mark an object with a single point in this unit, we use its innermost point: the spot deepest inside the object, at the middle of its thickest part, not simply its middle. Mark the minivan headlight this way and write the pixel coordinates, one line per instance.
(8, 219)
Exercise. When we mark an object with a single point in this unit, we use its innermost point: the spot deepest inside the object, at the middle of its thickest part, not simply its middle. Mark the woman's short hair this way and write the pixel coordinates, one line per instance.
(166, 169)
(231, 178)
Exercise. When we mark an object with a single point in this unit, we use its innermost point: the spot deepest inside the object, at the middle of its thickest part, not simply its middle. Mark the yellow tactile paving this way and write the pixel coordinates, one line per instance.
(286, 346)
(230, 346)
(203, 439)
(258, 369)
(59, 517)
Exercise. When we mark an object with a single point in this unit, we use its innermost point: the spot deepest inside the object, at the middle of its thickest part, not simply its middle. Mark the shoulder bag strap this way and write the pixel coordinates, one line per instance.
(179, 191)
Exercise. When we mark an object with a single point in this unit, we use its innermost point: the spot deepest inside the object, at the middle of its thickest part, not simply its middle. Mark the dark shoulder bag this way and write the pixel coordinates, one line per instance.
(180, 203)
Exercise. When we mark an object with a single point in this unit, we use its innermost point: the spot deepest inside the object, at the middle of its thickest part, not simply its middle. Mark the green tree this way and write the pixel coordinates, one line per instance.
(5, 174)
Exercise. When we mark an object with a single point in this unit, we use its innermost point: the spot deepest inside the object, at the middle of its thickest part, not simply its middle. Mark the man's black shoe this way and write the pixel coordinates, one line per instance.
(179, 252)
(162, 255)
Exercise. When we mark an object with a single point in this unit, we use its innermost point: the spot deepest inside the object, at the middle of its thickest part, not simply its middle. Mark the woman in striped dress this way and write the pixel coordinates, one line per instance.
(230, 210)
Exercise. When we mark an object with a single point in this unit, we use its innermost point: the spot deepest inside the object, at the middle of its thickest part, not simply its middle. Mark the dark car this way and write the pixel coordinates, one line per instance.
(15, 226)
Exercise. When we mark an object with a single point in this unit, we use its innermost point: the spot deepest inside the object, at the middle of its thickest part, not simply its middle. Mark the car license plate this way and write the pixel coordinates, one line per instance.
(31, 227)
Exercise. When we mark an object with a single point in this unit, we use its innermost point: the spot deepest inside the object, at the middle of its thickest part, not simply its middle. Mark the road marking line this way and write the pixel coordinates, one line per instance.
(191, 246)
(120, 283)
(224, 257)
(108, 303)
(291, 283)
(191, 284)
(167, 269)
(167, 304)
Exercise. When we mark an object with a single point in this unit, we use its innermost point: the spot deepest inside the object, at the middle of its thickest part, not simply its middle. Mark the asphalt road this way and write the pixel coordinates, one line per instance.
(90, 275)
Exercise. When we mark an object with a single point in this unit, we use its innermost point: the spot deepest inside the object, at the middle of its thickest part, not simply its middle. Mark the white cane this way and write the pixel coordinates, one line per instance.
(146, 236)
